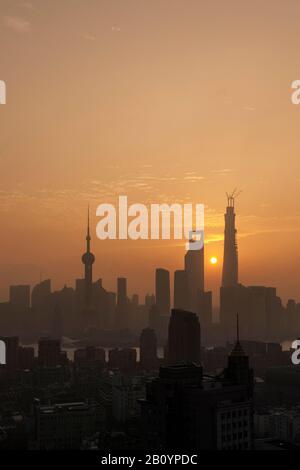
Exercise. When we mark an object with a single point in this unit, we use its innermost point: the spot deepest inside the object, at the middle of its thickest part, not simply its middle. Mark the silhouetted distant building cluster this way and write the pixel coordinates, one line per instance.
(90, 311)
(106, 372)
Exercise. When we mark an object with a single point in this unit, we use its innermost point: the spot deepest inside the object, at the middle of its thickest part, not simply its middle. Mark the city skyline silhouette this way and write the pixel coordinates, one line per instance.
(131, 111)
(147, 348)
(89, 306)
(213, 274)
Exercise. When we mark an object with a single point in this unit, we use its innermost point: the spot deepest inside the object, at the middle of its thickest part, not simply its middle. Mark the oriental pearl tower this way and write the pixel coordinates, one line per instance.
(88, 260)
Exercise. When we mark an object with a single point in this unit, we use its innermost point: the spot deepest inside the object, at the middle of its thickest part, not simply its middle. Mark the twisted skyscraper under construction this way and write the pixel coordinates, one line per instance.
(230, 292)
(230, 259)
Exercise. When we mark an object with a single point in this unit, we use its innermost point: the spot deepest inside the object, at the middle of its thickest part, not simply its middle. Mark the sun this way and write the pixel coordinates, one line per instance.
(213, 260)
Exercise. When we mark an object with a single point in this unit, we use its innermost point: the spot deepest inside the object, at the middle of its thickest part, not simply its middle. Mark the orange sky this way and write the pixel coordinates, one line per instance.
(165, 101)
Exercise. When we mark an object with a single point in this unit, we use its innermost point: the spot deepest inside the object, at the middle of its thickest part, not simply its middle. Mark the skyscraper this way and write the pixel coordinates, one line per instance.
(194, 267)
(184, 341)
(185, 409)
(230, 259)
(148, 349)
(88, 260)
(238, 371)
(162, 291)
(181, 290)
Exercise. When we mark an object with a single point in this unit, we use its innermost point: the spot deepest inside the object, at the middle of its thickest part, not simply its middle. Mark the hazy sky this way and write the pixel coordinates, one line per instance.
(162, 100)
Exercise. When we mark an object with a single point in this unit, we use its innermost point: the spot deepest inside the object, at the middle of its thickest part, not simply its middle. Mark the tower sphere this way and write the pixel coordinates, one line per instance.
(88, 258)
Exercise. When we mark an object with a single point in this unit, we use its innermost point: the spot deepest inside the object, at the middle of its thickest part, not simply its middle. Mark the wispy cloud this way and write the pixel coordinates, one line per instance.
(17, 24)
(193, 178)
(223, 171)
(88, 37)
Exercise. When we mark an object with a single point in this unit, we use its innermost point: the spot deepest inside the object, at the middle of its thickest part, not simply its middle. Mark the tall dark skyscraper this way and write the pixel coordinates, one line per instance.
(148, 349)
(230, 259)
(194, 267)
(238, 371)
(184, 339)
(186, 409)
(162, 291)
(181, 290)
(88, 260)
